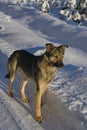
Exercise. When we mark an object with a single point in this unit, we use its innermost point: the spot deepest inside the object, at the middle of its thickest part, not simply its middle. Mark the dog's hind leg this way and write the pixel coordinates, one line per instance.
(22, 90)
(12, 67)
(12, 76)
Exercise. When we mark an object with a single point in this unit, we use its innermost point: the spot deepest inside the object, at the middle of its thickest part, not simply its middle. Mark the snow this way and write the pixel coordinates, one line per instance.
(65, 102)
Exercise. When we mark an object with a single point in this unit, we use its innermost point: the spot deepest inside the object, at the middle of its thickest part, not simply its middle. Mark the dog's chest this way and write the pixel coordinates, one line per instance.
(48, 73)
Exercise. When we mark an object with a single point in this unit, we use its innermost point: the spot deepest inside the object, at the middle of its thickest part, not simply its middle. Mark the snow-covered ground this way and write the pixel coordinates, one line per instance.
(65, 103)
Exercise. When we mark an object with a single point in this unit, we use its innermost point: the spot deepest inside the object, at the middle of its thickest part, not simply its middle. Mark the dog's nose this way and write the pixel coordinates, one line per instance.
(62, 64)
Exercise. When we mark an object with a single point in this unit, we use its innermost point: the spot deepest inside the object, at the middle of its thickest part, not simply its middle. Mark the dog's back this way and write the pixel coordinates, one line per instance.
(23, 60)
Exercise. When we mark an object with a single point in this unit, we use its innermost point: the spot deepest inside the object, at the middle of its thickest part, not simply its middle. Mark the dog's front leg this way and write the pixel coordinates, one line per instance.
(38, 106)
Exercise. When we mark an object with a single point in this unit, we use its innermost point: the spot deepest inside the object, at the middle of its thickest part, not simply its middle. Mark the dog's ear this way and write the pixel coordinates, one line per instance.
(49, 47)
(62, 48)
(65, 46)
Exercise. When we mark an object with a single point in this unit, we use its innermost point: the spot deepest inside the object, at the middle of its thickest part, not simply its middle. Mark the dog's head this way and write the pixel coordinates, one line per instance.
(55, 54)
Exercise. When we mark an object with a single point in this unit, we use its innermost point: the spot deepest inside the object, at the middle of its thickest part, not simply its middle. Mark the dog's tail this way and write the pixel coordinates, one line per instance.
(7, 76)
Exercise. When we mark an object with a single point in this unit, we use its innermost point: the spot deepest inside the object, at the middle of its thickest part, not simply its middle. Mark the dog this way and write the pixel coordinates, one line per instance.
(41, 69)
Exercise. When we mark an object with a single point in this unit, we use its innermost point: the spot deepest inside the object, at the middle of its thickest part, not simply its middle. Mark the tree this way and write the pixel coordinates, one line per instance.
(82, 7)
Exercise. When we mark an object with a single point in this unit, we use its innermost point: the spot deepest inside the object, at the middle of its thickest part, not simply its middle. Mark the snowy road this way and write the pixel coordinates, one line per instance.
(26, 28)
(15, 115)
(6, 118)
(11, 117)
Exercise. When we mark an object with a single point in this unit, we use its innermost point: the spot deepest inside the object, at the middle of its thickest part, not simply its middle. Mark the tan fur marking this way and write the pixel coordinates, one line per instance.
(12, 76)
(23, 85)
(38, 106)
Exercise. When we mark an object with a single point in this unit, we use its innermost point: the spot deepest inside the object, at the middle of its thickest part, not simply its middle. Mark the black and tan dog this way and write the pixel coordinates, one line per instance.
(40, 68)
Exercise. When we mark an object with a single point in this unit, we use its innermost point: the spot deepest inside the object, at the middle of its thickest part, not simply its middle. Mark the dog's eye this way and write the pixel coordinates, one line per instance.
(56, 56)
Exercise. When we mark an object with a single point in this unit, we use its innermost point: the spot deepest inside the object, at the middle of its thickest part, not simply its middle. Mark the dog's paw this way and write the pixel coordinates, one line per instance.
(40, 119)
(25, 100)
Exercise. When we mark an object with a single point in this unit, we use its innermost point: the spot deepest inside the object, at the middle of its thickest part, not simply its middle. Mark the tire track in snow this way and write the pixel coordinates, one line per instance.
(5, 101)
(11, 111)
(23, 119)
(6, 120)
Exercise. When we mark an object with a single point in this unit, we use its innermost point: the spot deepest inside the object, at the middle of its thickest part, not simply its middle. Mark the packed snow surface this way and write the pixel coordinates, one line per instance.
(65, 103)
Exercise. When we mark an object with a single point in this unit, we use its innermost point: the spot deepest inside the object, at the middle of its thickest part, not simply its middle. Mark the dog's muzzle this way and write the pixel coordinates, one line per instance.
(59, 65)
